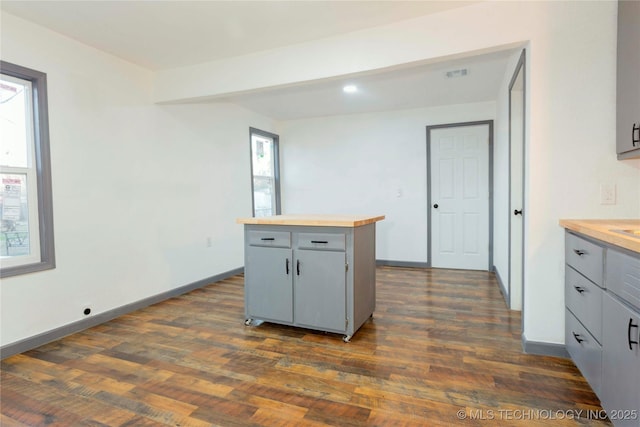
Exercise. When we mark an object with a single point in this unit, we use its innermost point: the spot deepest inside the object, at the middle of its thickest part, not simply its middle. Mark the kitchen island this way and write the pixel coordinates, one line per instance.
(311, 271)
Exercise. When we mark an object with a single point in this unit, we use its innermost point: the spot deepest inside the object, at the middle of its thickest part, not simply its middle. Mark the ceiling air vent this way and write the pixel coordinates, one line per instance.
(452, 74)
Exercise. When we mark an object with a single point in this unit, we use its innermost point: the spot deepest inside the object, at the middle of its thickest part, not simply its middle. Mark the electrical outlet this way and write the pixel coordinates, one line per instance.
(607, 194)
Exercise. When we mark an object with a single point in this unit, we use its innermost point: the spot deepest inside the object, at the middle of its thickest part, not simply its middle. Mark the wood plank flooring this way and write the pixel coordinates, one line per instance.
(441, 349)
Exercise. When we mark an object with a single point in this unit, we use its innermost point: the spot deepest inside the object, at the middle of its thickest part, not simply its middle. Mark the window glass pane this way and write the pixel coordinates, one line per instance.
(262, 149)
(14, 208)
(263, 166)
(16, 121)
(26, 231)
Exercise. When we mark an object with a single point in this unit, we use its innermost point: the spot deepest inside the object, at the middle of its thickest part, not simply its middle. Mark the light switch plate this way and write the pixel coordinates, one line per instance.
(607, 194)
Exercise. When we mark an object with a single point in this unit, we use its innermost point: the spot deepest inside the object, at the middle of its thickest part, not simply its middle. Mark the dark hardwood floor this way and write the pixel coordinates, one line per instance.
(441, 349)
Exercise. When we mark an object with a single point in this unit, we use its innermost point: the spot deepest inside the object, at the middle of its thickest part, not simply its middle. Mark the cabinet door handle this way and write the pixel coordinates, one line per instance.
(286, 266)
(631, 325)
(635, 134)
(577, 337)
(320, 241)
(579, 289)
(298, 267)
(579, 252)
(517, 212)
(267, 238)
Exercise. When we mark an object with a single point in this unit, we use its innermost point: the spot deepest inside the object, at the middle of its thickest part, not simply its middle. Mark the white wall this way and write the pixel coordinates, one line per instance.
(372, 163)
(571, 111)
(137, 188)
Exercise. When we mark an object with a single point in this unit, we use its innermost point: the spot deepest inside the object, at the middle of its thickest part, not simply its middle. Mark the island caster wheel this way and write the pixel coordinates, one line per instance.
(248, 322)
(346, 338)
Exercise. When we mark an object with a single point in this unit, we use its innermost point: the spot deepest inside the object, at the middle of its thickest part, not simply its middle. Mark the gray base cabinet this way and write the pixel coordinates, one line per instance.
(621, 363)
(272, 296)
(314, 277)
(602, 329)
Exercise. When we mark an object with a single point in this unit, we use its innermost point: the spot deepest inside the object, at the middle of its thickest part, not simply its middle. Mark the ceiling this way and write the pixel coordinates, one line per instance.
(416, 86)
(161, 35)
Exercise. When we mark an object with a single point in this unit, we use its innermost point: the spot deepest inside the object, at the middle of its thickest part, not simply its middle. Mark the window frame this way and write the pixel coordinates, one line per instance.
(42, 168)
(276, 167)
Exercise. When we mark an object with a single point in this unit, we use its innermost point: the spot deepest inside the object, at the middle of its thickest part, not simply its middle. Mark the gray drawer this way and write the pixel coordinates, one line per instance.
(584, 300)
(276, 239)
(322, 241)
(586, 257)
(585, 351)
(622, 276)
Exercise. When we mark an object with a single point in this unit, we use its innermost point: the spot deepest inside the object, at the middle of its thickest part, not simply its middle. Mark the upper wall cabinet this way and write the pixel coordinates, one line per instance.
(628, 80)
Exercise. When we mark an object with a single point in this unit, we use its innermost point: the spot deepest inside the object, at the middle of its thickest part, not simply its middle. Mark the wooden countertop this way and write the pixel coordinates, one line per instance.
(601, 229)
(313, 220)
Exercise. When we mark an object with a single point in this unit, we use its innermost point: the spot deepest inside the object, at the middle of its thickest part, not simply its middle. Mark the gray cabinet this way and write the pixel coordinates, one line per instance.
(628, 80)
(320, 290)
(621, 363)
(621, 334)
(315, 277)
(602, 329)
(269, 298)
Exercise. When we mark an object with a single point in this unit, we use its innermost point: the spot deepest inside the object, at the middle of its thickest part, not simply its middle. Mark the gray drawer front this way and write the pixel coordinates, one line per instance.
(622, 276)
(276, 239)
(587, 354)
(586, 257)
(584, 299)
(322, 241)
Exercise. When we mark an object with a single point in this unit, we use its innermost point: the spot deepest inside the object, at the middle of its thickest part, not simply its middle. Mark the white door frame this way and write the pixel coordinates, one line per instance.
(488, 123)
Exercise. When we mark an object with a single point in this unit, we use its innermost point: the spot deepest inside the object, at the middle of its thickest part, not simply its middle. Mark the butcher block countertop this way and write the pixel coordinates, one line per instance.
(313, 220)
(608, 230)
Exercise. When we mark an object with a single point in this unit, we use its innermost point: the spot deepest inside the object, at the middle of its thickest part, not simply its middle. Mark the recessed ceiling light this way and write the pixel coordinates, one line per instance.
(350, 89)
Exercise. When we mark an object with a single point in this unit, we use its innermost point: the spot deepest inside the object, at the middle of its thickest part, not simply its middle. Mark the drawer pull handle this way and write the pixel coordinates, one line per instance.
(320, 241)
(635, 134)
(579, 289)
(631, 325)
(577, 337)
(298, 267)
(286, 266)
(579, 252)
(268, 239)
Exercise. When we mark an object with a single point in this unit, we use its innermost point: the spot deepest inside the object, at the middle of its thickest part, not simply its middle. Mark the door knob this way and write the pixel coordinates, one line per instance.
(517, 212)
(435, 206)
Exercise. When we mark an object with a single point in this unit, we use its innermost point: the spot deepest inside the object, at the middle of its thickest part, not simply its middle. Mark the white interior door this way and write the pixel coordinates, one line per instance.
(516, 190)
(460, 197)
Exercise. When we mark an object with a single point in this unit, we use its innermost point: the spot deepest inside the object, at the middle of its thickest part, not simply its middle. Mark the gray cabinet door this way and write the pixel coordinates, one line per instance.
(628, 80)
(620, 363)
(320, 290)
(269, 293)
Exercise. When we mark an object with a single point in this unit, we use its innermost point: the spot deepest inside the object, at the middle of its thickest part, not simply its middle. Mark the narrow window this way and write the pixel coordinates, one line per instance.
(26, 237)
(265, 173)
